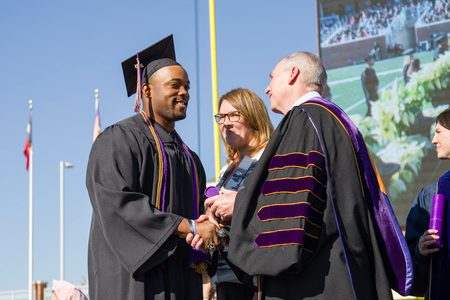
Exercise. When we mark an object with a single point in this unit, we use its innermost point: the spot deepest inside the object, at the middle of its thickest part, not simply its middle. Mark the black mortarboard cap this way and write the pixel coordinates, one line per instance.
(153, 58)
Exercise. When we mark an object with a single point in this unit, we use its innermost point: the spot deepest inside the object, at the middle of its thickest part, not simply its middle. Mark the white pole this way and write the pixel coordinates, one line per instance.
(30, 217)
(96, 99)
(62, 165)
(61, 220)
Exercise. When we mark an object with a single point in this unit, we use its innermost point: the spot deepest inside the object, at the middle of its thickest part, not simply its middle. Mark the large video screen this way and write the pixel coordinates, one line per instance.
(388, 67)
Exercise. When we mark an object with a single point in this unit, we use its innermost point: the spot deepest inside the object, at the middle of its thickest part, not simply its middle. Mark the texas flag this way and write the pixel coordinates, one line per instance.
(27, 147)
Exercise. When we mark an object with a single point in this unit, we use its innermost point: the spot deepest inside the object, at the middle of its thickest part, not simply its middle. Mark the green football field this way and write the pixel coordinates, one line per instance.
(345, 82)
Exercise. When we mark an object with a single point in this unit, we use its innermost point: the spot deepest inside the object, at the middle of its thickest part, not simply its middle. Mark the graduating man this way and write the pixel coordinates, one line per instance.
(313, 221)
(144, 184)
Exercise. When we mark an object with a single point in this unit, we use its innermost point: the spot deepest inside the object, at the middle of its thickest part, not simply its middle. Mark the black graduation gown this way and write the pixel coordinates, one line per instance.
(262, 237)
(132, 251)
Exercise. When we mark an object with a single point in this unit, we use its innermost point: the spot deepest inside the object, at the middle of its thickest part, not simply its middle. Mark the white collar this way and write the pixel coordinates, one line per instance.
(306, 97)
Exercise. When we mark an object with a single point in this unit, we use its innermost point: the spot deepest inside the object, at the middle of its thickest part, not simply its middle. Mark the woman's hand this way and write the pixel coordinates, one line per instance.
(427, 242)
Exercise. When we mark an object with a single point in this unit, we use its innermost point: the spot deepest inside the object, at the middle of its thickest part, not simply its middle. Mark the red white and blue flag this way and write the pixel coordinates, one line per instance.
(27, 147)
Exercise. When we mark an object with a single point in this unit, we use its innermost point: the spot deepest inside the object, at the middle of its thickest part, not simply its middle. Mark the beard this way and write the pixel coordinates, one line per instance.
(179, 116)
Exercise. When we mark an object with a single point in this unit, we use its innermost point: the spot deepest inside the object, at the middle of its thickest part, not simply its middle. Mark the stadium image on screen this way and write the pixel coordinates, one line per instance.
(388, 67)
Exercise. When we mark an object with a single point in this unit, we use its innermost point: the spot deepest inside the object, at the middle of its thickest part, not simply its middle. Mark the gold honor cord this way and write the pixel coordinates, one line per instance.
(160, 159)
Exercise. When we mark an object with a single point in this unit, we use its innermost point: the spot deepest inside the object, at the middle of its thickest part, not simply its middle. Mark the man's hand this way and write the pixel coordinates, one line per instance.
(427, 242)
(221, 206)
(207, 232)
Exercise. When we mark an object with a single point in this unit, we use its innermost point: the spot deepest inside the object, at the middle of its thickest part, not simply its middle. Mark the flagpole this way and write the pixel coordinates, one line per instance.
(197, 77)
(61, 220)
(62, 165)
(97, 127)
(30, 215)
(215, 97)
(96, 100)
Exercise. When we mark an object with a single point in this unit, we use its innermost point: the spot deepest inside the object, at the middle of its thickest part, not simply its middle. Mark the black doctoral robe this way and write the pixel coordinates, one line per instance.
(304, 220)
(132, 251)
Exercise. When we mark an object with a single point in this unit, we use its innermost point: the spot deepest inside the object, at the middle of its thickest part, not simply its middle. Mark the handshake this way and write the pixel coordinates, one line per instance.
(208, 232)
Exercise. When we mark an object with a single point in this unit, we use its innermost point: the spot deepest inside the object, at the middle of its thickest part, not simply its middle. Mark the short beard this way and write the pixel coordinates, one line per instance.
(179, 117)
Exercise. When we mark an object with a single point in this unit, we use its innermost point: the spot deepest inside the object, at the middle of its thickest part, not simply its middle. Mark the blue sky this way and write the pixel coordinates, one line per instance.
(58, 52)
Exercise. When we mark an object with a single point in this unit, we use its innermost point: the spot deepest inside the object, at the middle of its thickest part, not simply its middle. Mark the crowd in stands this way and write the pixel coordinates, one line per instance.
(376, 19)
(438, 13)
(370, 22)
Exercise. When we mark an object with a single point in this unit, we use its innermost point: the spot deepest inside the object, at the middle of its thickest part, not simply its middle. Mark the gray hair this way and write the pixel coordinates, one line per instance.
(310, 66)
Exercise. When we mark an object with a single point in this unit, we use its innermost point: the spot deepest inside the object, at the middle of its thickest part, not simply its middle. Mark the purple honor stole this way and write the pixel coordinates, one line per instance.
(197, 256)
(440, 261)
(160, 198)
(389, 234)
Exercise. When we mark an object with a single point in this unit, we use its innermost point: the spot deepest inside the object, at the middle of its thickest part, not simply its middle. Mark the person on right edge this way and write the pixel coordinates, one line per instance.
(313, 221)
(431, 263)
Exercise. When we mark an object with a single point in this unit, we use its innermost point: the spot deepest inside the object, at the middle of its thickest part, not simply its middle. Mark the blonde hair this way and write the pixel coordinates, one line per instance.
(253, 110)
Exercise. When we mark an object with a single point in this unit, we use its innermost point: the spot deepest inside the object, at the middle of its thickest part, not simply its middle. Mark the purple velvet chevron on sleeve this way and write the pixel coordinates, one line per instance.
(298, 160)
(280, 238)
(295, 185)
(283, 211)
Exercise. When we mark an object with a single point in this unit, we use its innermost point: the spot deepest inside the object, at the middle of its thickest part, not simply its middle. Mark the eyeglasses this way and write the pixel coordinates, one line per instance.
(233, 116)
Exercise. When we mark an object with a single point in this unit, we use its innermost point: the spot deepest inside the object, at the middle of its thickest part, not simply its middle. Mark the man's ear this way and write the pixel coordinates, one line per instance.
(146, 90)
(294, 72)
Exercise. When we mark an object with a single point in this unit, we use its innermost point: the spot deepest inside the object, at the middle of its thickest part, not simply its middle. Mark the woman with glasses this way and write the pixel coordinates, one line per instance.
(245, 128)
